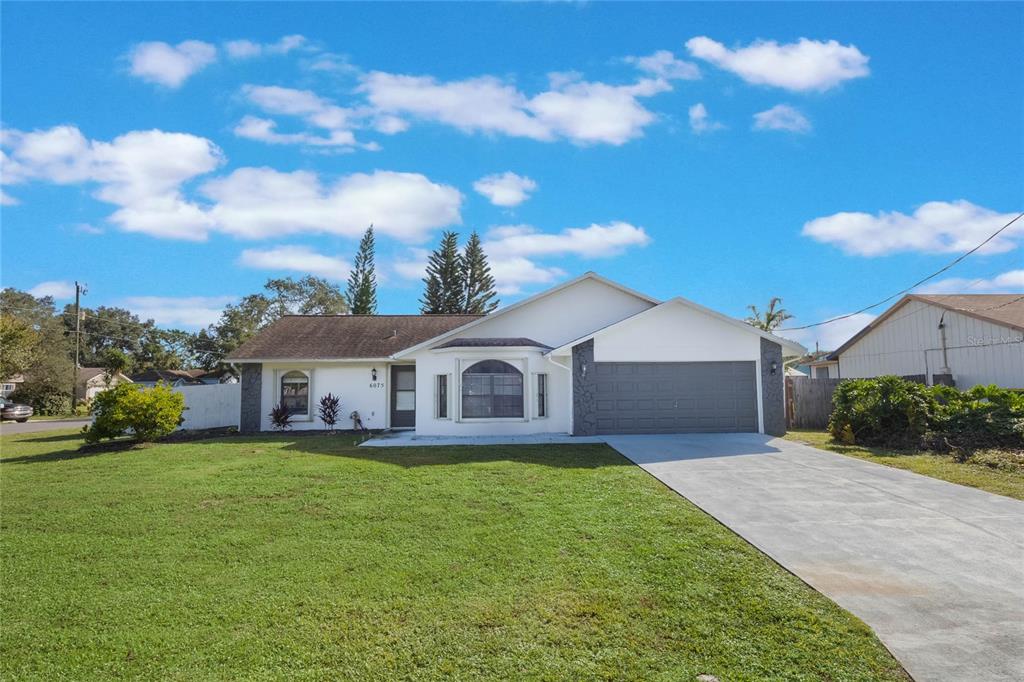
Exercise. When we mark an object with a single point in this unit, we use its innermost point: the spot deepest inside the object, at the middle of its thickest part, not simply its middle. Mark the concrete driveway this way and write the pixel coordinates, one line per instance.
(8, 428)
(936, 569)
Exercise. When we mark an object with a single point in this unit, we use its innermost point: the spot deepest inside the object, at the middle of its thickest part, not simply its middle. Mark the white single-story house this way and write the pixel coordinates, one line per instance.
(587, 357)
(969, 338)
(184, 377)
(11, 384)
(94, 380)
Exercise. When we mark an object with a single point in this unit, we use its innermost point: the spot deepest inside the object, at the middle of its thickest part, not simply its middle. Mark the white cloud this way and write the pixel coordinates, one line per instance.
(664, 64)
(505, 189)
(413, 266)
(7, 200)
(170, 65)
(141, 172)
(782, 117)
(828, 336)
(580, 111)
(801, 66)
(265, 130)
(190, 312)
(59, 290)
(511, 275)
(304, 104)
(935, 227)
(296, 258)
(262, 202)
(247, 49)
(700, 121)
(595, 241)
(1010, 282)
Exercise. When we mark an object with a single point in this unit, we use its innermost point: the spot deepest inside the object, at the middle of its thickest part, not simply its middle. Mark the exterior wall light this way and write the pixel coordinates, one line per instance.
(373, 373)
(775, 367)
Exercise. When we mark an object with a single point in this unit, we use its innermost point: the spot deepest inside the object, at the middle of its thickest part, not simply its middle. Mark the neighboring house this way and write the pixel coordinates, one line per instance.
(93, 380)
(10, 385)
(972, 338)
(586, 357)
(805, 366)
(823, 369)
(184, 377)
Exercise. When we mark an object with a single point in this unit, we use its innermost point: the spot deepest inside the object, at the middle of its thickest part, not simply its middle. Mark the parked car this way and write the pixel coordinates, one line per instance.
(14, 411)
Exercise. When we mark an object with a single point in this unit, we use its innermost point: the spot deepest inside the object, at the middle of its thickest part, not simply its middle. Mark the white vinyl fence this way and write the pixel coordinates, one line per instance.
(212, 406)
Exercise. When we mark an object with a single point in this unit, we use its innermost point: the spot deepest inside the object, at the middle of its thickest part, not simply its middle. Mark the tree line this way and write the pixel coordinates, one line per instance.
(37, 338)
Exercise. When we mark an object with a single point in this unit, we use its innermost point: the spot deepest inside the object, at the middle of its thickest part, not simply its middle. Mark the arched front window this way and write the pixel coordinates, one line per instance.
(492, 388)
(295, 392)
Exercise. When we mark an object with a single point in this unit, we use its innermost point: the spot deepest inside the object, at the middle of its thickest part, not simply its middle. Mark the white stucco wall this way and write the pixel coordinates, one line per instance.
(565, 315)
(908, 343)
(352, 382)
(676, 333)
(429, 364)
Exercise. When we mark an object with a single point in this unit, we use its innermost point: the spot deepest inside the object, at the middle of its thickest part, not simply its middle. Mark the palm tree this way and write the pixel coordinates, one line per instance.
(772, 317)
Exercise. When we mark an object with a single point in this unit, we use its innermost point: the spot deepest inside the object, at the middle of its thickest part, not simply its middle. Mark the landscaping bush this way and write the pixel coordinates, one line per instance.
(44, 400)
(330, 407)
(891, 411)
(146, 413)
(884, 411)
(280, 417)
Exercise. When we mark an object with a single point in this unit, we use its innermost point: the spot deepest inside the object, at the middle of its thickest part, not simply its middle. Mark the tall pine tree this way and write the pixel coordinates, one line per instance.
(362, 281)
(481, 298)
(445, 291)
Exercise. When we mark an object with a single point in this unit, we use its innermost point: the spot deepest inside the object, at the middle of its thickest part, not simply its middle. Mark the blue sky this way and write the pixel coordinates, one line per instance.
(175, 156)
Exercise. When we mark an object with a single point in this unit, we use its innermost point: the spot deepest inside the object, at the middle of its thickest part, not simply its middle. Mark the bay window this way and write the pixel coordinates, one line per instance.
(492, 389)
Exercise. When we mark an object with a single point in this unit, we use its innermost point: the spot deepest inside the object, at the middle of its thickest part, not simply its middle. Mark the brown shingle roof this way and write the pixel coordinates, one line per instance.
(332, 337)
(498, 342)
(1004, 309)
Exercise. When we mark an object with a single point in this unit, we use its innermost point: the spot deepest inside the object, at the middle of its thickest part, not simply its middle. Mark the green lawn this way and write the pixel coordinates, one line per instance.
(997, 472)
(307, 558)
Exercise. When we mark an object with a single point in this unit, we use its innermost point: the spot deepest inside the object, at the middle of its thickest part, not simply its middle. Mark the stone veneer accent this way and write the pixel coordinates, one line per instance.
(251, 417)
(584, 391)
(773, 387)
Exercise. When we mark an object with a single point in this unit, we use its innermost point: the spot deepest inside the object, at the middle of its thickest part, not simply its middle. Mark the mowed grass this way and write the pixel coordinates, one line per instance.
(307, 558)
(997, 472)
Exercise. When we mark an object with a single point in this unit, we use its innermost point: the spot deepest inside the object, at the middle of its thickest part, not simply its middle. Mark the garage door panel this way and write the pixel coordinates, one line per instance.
(676, 397)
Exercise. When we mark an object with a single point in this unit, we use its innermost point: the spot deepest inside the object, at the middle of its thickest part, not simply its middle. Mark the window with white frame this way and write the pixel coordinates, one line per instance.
(295, 393)
(441, 396)
(492, 389)
(541, 402)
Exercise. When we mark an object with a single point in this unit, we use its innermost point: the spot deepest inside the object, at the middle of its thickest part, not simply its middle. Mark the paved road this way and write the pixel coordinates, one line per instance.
(936, 569)
(7, 428)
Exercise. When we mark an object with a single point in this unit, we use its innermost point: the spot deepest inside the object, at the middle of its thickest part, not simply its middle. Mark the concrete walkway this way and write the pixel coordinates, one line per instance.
(936, 569)
(403, 439)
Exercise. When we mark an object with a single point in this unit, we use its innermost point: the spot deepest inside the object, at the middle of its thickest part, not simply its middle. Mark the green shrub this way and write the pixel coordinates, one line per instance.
(146, 413)
(891, 411)
(884, 411)
(44, 400)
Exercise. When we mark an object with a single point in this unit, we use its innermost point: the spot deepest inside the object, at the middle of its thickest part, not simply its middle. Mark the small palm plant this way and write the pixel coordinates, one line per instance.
(773, 316)
(330, 408)
(280, 417)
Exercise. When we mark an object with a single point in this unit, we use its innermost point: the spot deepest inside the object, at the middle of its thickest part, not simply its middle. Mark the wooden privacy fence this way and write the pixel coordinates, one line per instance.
(809, 402)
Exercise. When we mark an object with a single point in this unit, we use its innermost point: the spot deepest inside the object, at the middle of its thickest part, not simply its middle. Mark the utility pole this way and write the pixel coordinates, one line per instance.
(79, 292)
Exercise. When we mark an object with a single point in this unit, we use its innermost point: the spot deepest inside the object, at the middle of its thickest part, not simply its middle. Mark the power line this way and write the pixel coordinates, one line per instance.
(935, 274)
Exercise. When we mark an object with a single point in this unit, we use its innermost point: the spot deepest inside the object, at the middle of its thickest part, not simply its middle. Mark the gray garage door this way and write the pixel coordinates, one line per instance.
(675, 397)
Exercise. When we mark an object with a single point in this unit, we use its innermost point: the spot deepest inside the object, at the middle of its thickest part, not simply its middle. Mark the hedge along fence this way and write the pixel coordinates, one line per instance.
(891, 411)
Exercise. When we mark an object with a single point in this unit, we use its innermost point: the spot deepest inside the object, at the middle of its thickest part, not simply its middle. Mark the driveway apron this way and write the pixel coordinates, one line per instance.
(936, 569)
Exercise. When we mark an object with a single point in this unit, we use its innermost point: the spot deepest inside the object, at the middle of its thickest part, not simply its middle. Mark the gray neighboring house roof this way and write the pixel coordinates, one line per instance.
(1004, 309)
(343, 337)
(500, 342)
